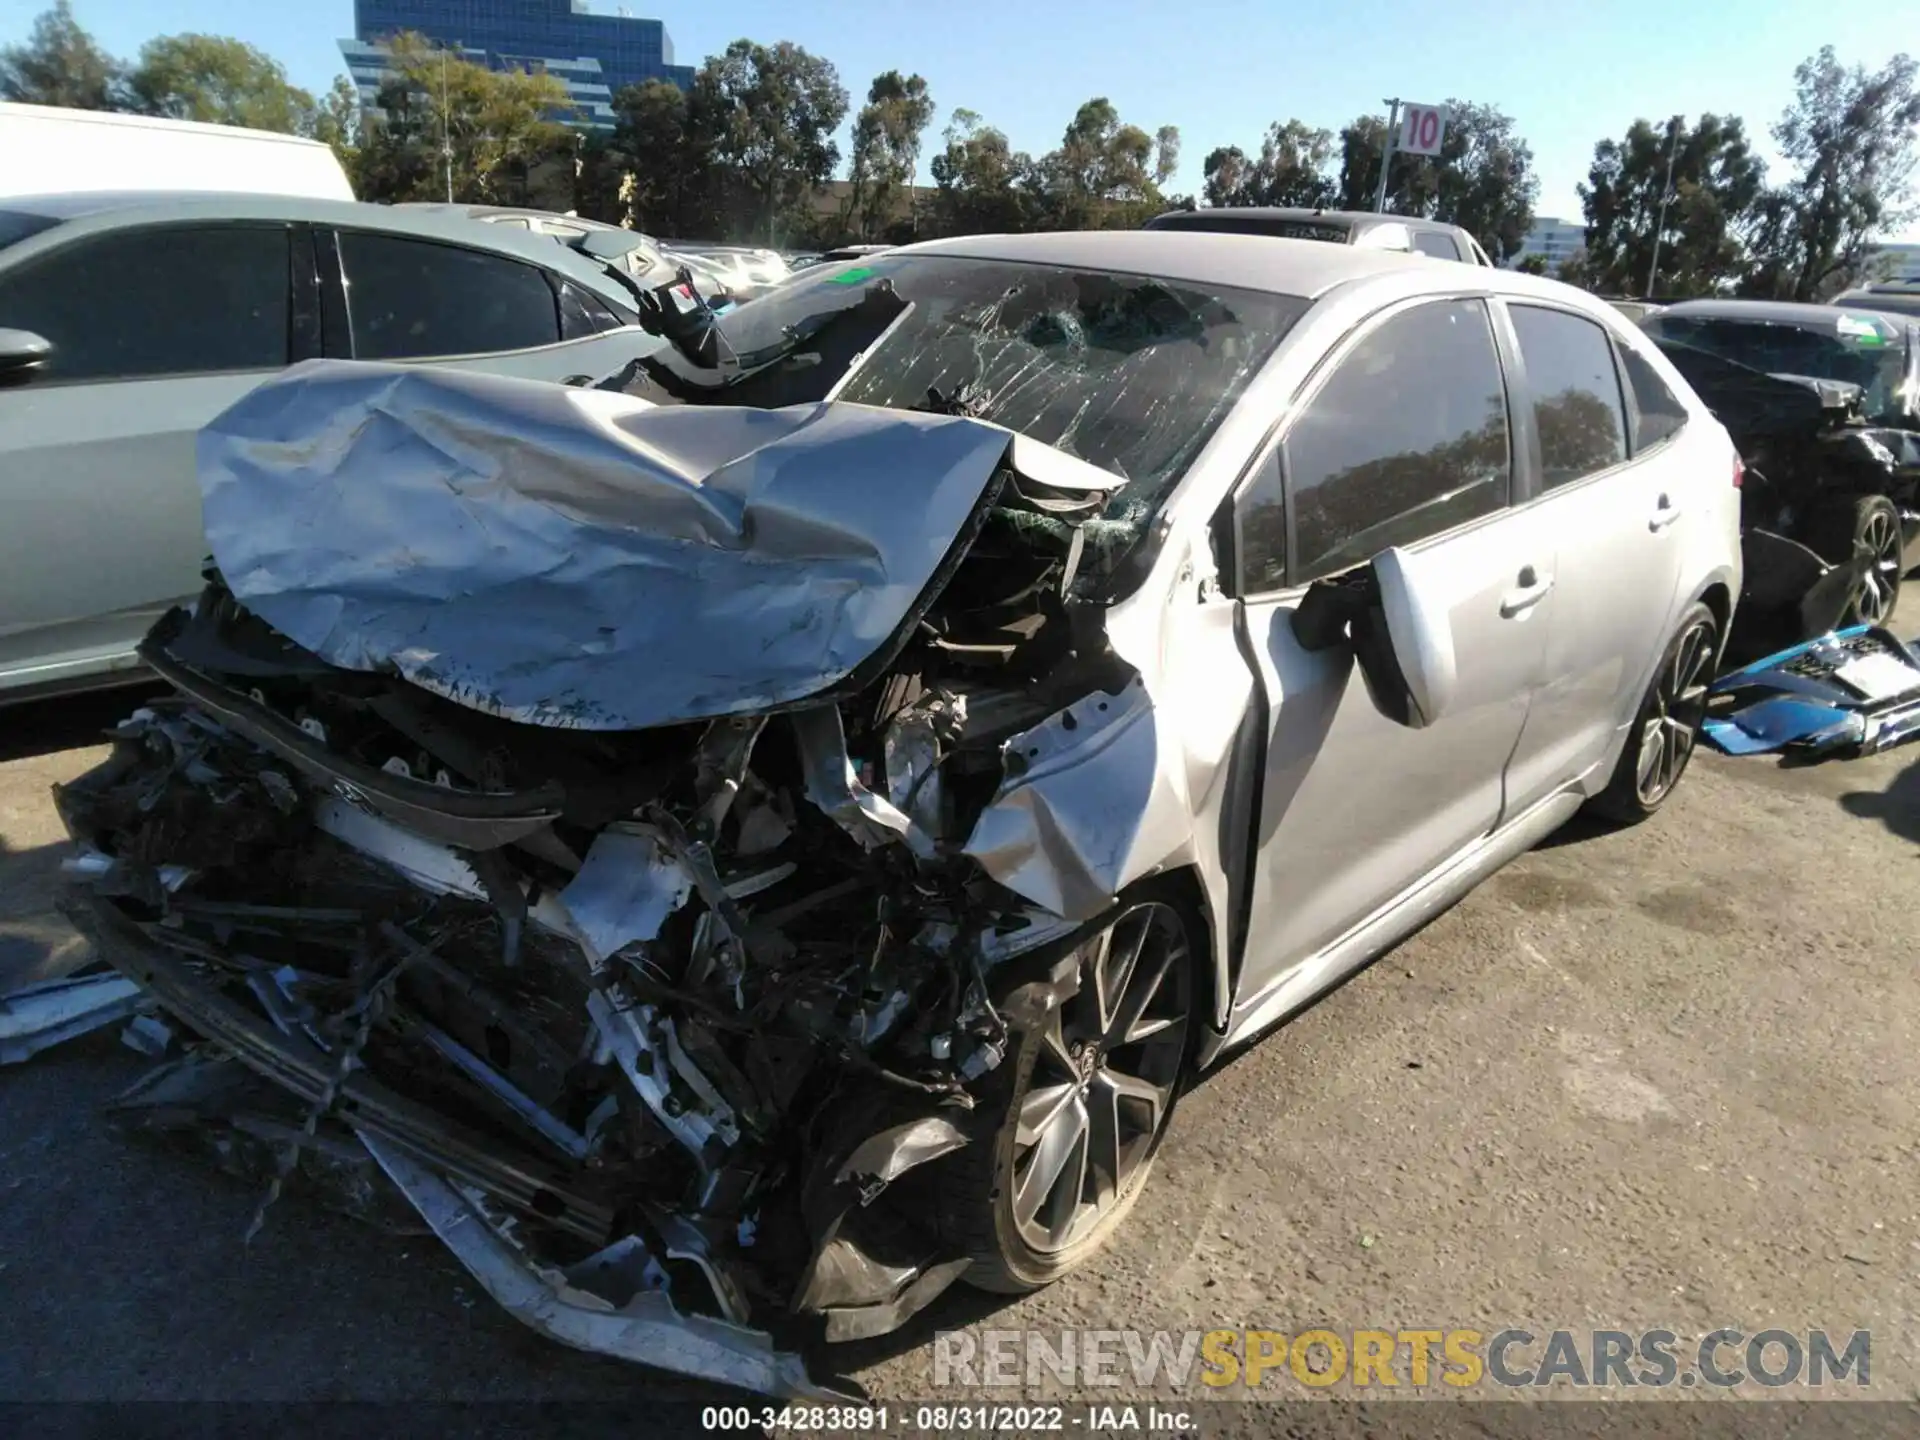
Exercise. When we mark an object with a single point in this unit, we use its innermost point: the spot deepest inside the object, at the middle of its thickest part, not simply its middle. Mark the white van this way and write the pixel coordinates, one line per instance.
(49, 151)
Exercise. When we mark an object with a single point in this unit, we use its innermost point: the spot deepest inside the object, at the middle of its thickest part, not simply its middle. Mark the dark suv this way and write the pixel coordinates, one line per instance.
(1339, 227)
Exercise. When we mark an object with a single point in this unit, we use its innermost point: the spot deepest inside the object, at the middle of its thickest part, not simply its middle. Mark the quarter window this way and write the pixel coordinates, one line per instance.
(1262, 539)
(582, 313)
(145, 303)
(1576, 393)
(1406, 439)
(413, 299)
(1660, 412)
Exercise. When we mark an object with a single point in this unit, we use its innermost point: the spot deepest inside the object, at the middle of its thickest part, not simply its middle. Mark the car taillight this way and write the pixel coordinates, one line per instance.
(1739, 471)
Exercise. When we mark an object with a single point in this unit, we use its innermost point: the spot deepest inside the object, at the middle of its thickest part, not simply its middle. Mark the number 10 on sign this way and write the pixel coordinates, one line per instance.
(1422, 128)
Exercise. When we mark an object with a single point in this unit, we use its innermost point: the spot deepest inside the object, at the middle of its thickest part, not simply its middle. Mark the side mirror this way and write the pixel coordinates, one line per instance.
(1404, 644)
(1402, 638)
(21, 353)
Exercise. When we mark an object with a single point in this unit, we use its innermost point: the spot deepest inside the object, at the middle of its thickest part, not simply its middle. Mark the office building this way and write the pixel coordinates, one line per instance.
(1554, 241)
(596, 55)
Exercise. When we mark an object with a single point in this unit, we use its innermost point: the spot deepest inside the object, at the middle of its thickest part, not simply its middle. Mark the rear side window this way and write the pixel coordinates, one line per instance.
(1576, 393)
(1661, 413)
(583, 313)
(1407, 438)
(414, 299)
(1432, 242)
(145, 303)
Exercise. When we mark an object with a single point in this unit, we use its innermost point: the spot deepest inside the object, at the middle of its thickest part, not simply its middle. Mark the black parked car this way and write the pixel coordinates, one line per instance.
(1824, 405)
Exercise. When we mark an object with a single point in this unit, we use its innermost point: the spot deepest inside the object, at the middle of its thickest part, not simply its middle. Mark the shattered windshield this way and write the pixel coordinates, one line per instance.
(1127, 372)
(1859, 350)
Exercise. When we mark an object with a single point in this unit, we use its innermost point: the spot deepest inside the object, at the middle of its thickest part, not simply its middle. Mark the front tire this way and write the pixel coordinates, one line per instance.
(1666, 728)
(1080, 1108)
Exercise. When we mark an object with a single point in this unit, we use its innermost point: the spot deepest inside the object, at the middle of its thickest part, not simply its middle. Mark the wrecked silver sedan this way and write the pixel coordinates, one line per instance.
(739, 861)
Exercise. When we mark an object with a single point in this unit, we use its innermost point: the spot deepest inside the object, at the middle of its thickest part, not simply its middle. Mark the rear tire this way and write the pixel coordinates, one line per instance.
(1666, 728)
(1079, 1107)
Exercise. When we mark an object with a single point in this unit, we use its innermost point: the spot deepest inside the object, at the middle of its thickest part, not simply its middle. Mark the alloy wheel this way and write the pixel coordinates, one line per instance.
(1873, 602)
(1103, 1079)
(1679, 706)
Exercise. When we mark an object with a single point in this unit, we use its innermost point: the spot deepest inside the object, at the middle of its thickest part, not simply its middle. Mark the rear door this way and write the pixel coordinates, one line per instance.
(400, 297)
(1617, 510)
(155, 330)
(1404, 438)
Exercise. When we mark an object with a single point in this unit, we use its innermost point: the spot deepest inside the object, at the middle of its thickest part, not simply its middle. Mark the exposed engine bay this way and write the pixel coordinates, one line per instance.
(660, 999)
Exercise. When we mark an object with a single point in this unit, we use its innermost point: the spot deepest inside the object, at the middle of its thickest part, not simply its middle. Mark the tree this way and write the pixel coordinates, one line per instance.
(336, 122)
(774, 109)
(1532, 265)
(219, 81)
(1850, 135)
(982, 185)
(1482, 180)
(1291, 170)
(1717, 185)
(61, 64)
(886, 149)
(656, 140)
(498, 125)
(1107, 172)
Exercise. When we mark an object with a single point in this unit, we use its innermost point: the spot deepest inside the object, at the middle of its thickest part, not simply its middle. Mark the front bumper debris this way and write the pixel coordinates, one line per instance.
(609, 1305)
(38, 1017)
(1853, 692)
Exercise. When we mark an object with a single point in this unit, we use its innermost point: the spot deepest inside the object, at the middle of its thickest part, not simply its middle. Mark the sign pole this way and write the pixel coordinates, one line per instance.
(1386, 155)
(1666, 194)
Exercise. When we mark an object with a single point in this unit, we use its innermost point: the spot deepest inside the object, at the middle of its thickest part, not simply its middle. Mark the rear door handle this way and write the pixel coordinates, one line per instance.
(1664, 514)
(1528, 593)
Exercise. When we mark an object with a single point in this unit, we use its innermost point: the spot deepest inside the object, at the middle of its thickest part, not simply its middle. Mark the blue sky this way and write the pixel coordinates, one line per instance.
(1221, 70)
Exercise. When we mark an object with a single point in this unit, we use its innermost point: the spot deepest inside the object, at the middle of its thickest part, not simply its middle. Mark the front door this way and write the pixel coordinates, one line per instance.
(1406, 442)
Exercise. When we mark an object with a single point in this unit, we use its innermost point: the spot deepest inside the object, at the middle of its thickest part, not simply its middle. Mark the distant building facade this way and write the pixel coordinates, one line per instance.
(1897, 262)
(595, 55)
(1554, 241)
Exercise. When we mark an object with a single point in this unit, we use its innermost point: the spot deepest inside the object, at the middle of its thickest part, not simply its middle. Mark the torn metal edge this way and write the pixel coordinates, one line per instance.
(38, 1017)
(647, 1330)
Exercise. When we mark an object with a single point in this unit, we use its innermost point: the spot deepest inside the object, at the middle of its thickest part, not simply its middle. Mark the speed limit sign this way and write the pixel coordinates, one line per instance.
(1422, 128)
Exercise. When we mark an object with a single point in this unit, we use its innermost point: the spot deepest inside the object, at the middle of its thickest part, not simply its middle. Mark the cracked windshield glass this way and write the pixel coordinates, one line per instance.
(1126, 372)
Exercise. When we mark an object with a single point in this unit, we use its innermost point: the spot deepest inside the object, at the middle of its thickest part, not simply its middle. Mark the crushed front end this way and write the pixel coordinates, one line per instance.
(662, 1020)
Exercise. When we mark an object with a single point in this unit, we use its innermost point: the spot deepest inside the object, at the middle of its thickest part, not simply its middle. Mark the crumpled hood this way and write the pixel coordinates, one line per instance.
(1755, 404)
(583, 558)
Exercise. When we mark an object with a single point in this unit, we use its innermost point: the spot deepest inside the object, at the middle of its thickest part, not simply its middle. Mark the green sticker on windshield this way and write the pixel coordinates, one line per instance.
(1864, 329)
(851, 277)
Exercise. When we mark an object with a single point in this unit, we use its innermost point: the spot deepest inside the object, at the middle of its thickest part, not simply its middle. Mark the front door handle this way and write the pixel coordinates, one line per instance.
(1664, 514)
(1531, 590)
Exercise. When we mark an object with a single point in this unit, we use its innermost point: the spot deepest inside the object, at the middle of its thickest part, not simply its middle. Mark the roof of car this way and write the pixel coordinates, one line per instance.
(1356, 219)
(1766, 312)
(109, 210)
(1307, 268)
(441, 207)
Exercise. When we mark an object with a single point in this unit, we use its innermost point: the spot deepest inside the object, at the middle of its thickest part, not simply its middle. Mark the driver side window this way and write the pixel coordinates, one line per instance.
(1408, 437)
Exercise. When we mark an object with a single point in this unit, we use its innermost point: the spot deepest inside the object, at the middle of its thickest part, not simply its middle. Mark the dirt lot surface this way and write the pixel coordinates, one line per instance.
(1660, 1078)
